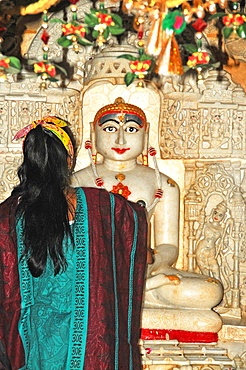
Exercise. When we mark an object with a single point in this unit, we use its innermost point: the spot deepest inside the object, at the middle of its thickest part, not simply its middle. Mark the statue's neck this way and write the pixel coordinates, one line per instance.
(119, 166)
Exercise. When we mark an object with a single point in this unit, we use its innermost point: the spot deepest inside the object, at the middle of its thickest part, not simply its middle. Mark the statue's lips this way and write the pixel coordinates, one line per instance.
(120, 150)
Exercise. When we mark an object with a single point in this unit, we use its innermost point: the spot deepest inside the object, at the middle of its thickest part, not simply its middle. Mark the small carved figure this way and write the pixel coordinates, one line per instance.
(210, 240)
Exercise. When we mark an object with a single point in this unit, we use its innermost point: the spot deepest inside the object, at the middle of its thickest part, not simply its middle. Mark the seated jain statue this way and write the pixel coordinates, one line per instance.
(176, 302)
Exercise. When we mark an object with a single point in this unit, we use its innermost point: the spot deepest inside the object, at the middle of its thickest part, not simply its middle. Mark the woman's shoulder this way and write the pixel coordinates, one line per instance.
(7, 214)
(8, 204)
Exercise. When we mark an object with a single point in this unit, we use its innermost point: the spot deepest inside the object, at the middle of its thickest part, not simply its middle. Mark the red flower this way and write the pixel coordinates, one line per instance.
(4, 63)
(234, 19)
(51, 70)
(138, 66)
(121, 189)
(70, 29)
(199, 57)
(105, 19)
(42, 67)
(80, 30)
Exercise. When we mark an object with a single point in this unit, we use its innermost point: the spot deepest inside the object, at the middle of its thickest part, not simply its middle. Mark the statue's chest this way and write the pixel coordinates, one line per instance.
(134, 188)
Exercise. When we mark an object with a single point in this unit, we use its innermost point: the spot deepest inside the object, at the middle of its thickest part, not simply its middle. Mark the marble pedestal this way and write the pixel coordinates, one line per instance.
(204, 320)
(172, 355)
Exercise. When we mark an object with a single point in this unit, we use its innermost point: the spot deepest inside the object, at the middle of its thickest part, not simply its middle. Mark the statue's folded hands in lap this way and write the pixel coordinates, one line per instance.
(174, 299)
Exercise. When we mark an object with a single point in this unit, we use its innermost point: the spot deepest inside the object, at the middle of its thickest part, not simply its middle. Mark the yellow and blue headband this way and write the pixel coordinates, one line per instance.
(54, 125)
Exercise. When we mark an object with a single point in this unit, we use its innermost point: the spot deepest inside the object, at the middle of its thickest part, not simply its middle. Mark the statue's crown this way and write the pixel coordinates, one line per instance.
(120, 106)
(222, 206)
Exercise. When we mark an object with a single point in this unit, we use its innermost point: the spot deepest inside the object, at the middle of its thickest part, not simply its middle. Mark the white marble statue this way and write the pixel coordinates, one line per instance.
(119, 134)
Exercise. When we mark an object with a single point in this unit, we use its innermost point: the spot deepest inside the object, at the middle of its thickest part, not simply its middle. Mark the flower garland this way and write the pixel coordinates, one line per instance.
(100, 22)
(73, 33)
(234, 23)
(8, 65)
(103, 24)
(46, 69)
(140, 66)
(199, 58)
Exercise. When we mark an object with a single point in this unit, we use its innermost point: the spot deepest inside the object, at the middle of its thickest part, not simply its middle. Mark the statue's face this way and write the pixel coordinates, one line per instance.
(120, 136)
(218, 215)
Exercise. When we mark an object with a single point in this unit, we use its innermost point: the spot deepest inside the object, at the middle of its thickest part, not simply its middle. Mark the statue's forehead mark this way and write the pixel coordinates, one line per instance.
(120, 118)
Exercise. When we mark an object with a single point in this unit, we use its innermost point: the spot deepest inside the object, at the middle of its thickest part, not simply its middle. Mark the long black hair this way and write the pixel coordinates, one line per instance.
(44, 177)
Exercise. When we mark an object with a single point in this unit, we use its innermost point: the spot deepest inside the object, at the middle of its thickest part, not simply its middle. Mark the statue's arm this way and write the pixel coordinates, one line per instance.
(83, 177)
(166, 221)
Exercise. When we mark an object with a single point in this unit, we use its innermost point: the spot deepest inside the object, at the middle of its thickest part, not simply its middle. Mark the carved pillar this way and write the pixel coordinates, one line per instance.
(192, 212)
(238, 213)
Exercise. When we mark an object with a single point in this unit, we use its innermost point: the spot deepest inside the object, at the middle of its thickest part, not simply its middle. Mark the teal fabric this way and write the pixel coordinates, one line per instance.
(59, 312)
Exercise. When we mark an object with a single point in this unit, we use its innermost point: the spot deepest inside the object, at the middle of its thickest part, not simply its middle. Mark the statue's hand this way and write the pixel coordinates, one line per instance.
(174, 279)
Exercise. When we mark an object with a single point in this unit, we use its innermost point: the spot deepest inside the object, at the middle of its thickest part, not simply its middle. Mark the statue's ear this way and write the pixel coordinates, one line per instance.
(146, 139)
(93, 141)
(145, 146)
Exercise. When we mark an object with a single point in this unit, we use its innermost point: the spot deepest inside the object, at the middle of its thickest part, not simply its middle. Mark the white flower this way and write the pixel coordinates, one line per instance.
(100, 27)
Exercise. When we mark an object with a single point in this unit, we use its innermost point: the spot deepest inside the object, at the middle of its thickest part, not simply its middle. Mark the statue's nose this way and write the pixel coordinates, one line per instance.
(121, 138)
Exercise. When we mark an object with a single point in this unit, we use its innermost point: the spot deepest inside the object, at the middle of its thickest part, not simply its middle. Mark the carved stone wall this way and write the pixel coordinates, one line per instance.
(20, 104)
(199, 130)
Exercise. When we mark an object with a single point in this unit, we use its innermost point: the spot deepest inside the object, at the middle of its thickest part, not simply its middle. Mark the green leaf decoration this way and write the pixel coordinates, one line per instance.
(95, 34)
(186, 68)
(117, 20)
(64, 42)
(91, 20)
(61, 69)
(145, 57)
(208, 65)
(127, 56)
(217, 15)
(30, 62)
(203, 66)
(83, 41)
(76, 24)
(129, 78)
(174, 21)
(199, 43)
(52, 79)
(103, 11)
(15, 63)
(241, 31)
(12, 70)
(227, 32)
(216, 65)
(57, 20)
(106, 33)
(116, 31)
(191, 48)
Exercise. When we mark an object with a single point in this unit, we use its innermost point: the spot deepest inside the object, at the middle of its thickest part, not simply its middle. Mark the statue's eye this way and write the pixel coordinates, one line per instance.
(110, 129)
(131, 129)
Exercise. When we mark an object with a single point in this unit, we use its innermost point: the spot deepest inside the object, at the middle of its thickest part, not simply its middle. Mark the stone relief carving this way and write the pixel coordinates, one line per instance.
(207, 124)
(19, 108)
(215, 220)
